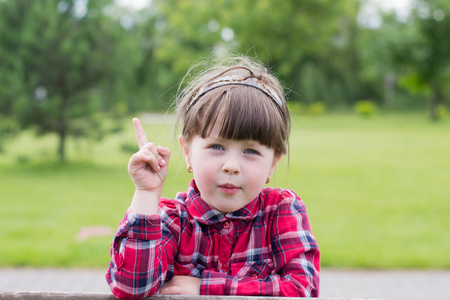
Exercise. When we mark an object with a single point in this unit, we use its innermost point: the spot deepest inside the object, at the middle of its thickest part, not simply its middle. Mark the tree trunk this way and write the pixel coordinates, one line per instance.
(62, 145)
(389, 89)
(435, 101)
(62, 129)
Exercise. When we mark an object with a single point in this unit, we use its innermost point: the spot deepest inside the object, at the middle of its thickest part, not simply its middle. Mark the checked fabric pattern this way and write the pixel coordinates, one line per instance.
(266, 248)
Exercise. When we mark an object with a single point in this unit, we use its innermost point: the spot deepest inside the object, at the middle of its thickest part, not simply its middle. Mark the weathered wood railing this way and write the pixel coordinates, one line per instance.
(95, 296)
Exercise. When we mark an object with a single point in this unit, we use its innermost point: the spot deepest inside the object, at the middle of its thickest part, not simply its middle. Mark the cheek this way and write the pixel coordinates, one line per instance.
(204, 171)
(205, 181)
(204, 175)
(256, 175)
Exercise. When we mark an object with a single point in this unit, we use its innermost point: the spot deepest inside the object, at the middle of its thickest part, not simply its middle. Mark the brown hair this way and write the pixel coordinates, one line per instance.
(243, 112)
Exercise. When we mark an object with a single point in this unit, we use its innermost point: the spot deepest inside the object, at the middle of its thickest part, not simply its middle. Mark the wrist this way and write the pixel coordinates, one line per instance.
(145, 202)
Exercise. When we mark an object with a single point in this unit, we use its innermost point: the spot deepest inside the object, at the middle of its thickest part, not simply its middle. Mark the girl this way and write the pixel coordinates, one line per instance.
(227, 234)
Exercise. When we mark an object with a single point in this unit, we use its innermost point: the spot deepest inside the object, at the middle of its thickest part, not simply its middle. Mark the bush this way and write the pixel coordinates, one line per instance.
(442, 111)
(365, 108)
(8, 129)
(129, 147)
(315, 108)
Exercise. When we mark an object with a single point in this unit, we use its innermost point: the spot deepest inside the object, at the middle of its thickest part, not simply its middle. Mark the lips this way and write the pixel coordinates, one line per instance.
(229, 189)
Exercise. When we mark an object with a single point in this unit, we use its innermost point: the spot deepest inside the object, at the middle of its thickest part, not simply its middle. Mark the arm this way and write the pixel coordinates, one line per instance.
(143, 252)
(296, 259)
(138, 262)
(148, 171)
(135, 269)
(181, 285)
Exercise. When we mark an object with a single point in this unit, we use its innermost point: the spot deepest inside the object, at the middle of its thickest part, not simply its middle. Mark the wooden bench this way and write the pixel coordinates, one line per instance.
(94, 296)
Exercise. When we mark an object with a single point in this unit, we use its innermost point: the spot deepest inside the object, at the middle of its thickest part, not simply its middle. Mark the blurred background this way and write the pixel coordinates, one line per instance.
(367, 83)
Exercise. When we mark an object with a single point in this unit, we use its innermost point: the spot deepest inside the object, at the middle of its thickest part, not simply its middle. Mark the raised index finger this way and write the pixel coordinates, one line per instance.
(140, 134)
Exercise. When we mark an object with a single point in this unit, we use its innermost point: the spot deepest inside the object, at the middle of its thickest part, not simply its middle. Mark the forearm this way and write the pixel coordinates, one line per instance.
(127, 272)
(136, 254)
(295, 284)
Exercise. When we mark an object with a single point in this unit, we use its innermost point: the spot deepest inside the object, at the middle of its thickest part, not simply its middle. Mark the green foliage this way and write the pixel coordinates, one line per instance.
(61, 66)
(365, 108)
(288, 36)
(442, 111)
(417, 50)
(128, 147)
(55, 60)
(315, 108)
(414, 84)
(8, 127)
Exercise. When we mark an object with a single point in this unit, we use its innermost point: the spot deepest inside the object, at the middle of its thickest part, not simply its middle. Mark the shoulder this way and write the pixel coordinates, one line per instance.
(286, 212)
(172, 207)
(282, 205)
(280, 197)
(178, 200)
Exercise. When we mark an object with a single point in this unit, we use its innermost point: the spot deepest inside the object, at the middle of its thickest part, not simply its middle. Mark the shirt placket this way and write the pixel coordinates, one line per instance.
(226, 240)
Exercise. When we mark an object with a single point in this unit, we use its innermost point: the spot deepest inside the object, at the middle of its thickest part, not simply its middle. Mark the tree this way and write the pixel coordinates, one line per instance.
(428, 63)
(57, 58)
(416, 50)
(290, 36)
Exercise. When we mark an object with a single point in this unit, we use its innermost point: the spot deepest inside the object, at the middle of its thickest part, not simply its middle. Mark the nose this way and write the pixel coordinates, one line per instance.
(231, 166)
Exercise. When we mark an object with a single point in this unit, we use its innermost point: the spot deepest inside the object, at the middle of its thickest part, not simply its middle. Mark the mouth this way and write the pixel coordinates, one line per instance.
(229, 189)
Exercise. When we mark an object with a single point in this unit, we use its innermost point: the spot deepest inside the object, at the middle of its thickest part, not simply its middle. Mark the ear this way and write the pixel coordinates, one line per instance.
(184, 145)
(279, 157)
(276, 159)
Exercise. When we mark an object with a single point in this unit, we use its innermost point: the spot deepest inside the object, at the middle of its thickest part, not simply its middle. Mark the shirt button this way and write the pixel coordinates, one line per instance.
(226, 225)
(254, 276)
(125, 224)
(225, 268)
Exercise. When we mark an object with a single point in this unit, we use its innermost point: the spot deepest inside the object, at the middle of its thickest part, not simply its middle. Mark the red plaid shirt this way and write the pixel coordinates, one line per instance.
(265, 248)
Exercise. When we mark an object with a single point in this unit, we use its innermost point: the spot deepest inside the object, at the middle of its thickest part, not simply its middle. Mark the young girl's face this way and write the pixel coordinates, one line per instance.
(229, 173)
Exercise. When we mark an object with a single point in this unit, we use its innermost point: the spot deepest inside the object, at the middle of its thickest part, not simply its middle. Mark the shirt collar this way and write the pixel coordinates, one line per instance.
(203, 213)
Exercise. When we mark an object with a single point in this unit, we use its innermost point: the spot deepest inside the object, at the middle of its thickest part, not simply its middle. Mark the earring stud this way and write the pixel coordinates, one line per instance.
(189, 169)
(267, 179)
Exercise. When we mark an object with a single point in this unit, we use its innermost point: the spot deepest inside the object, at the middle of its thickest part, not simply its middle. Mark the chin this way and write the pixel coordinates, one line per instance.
(224, 211)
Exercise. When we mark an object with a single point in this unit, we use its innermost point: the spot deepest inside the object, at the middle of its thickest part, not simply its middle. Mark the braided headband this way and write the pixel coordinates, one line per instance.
(236, 80)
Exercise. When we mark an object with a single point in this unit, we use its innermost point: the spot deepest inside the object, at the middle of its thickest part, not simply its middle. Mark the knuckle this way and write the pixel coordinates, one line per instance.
(145, 151)
(150, 145)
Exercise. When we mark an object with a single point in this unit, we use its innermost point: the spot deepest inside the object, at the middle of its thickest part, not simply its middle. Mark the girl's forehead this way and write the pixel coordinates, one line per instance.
(246, 143)
(215, 127)
(213, 137)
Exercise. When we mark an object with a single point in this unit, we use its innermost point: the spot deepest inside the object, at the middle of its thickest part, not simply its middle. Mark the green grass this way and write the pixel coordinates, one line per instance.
(377, 192)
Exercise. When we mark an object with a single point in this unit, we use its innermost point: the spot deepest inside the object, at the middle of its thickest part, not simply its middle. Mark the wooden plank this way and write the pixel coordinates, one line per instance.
(95, 296)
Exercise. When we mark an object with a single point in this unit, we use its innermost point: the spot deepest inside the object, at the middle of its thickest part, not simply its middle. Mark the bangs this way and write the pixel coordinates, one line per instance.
(242, 113)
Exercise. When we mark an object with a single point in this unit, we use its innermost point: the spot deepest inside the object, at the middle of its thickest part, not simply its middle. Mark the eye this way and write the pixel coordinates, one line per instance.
(251, 151)
(216, 147)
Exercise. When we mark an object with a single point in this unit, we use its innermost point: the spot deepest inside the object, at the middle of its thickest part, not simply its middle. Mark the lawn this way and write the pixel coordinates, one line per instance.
(377, 192)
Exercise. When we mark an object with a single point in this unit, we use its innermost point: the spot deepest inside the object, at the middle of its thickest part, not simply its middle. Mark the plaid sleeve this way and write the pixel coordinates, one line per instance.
(296, 258)
(295, 250)
(139, 260)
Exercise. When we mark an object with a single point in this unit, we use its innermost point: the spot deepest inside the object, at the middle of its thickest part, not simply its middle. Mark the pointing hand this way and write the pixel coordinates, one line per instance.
(148, 167)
